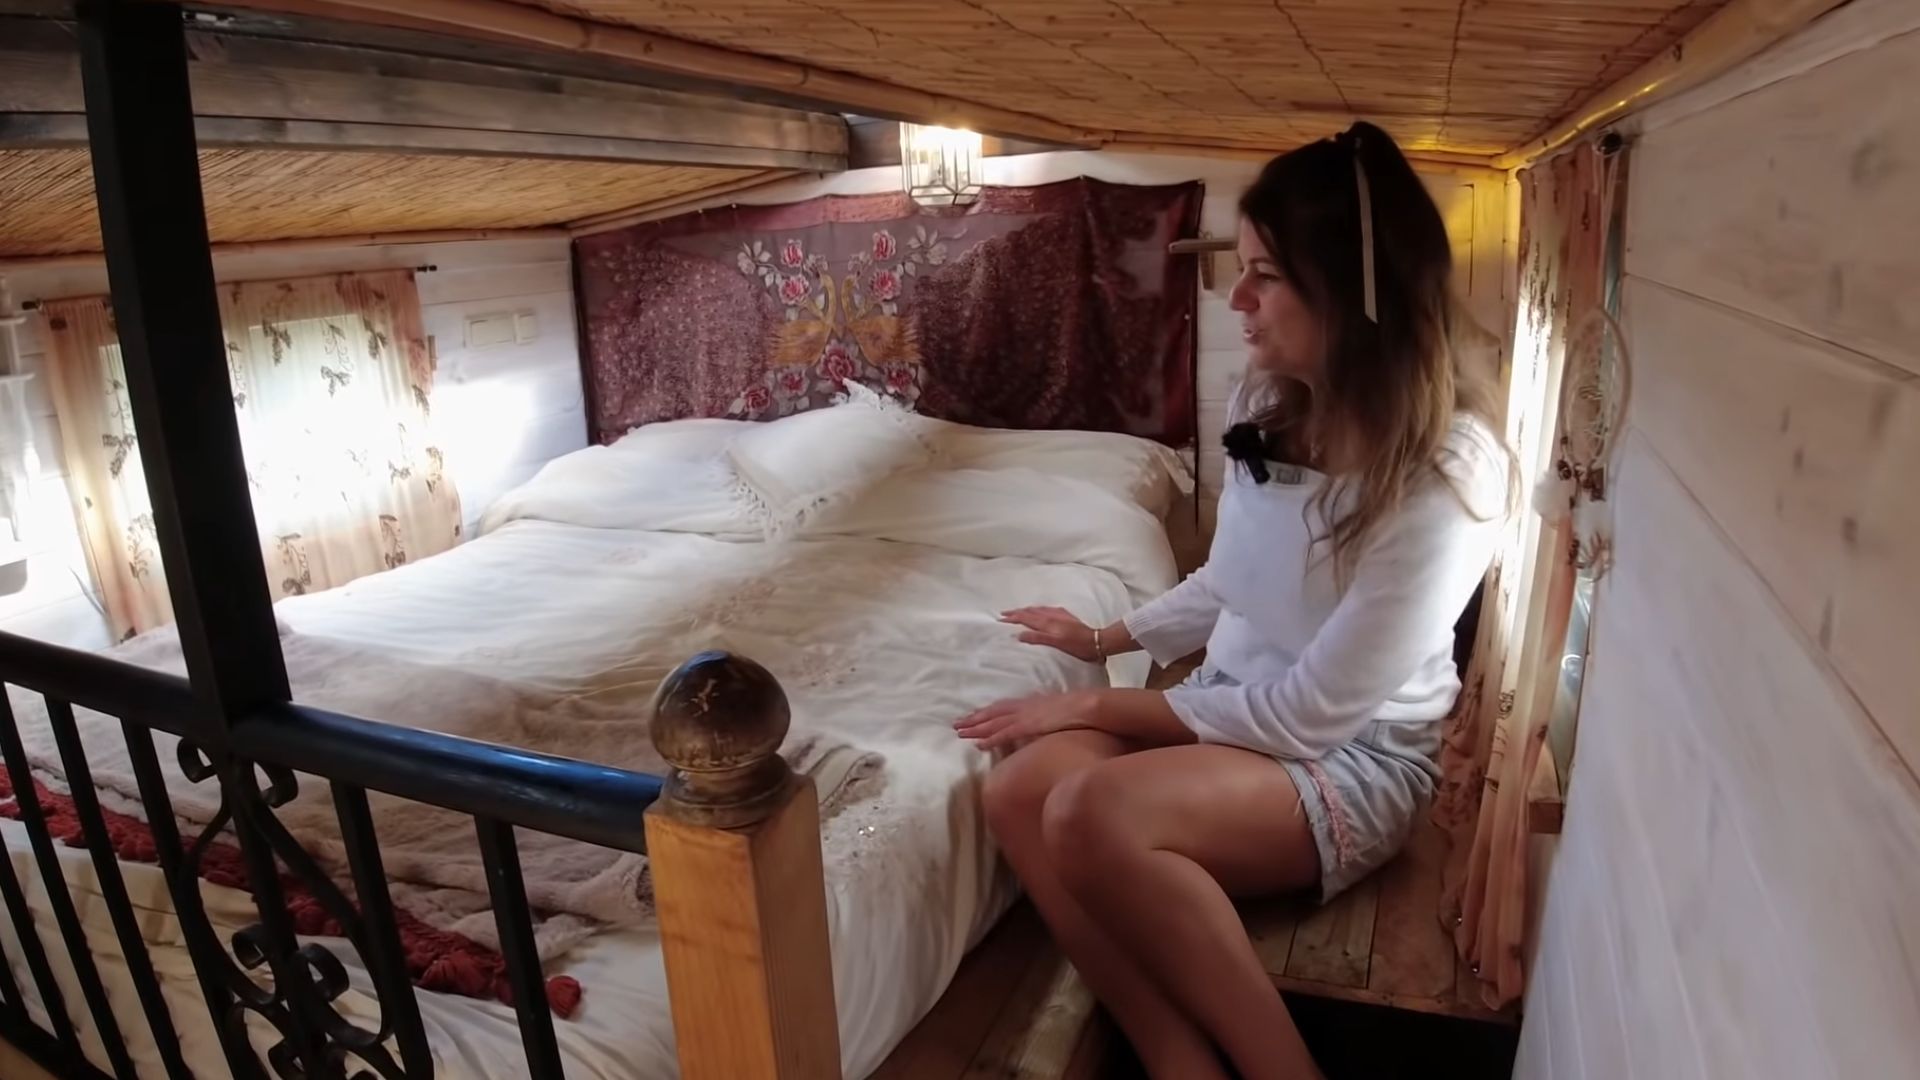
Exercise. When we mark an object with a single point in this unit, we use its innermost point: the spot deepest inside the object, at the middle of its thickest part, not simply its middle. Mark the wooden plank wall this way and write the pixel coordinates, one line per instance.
(500, 412)
(1734, 893)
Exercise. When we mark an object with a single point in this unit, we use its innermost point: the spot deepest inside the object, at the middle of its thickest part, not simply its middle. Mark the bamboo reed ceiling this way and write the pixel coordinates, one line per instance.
(1470, 76)
(47, 204)
(1476, 77)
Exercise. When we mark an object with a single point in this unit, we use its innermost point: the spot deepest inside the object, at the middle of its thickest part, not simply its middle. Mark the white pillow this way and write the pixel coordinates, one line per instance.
(696, 438)
(1141, 471)
(789, 469)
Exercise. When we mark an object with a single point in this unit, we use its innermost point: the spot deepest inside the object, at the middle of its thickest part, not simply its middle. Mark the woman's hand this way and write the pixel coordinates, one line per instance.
(1006, 723)
(1056, 628)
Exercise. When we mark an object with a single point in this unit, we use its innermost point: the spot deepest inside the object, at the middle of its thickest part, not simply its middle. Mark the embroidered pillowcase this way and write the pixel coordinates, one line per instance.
(788, 470)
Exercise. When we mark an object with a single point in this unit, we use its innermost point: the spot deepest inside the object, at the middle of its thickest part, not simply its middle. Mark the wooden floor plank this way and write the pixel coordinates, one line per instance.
(949, 1037)
(1007, 1039)
(1466, 989)
(1380, 943)
(1360, 995)
(1100, 1051)
(1046, 1048)
(1270, 926)
(1334, 943)
(1413, 956)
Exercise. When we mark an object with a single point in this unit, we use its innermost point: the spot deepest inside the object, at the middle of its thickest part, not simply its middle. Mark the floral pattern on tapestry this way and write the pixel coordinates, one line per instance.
(329, 379)
(1043, 307)
(839, 328)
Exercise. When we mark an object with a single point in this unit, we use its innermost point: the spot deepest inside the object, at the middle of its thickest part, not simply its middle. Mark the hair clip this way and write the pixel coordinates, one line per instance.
(1248, 447)
(1366, 235)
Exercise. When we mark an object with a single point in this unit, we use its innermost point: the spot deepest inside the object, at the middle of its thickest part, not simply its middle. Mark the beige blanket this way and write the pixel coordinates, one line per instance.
(431, 855)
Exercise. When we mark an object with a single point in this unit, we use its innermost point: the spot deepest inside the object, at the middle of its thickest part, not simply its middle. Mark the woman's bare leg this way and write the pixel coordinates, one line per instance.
(1152, 844)
(1168, 1043)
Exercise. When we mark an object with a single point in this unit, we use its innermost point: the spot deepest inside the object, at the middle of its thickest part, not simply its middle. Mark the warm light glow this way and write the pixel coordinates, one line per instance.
(485, 427)
(940, 165)
(19, 463)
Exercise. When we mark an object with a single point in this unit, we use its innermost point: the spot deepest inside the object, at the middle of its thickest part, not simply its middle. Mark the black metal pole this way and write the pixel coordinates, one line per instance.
(146, 175)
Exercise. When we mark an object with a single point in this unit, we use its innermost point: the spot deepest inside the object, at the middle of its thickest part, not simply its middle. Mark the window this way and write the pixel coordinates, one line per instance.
(331, 384)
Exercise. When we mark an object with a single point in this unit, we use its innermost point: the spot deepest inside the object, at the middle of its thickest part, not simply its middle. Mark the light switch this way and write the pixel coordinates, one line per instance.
(486, 330)
(525, 327)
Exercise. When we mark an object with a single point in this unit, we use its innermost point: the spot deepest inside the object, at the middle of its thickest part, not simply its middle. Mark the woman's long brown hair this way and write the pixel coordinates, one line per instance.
(1392, 388)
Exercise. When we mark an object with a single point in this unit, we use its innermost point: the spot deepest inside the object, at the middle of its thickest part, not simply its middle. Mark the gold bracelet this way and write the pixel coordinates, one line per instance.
(1099, 653)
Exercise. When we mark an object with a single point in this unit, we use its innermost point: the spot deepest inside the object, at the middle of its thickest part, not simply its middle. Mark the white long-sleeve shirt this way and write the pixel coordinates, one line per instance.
(1307, 668)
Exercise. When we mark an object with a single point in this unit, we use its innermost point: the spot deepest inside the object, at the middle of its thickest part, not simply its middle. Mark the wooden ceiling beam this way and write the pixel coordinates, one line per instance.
(654, 209)
(259, 93)
(498, 20)
(1422, 160)
(56, 131)
(17, 263)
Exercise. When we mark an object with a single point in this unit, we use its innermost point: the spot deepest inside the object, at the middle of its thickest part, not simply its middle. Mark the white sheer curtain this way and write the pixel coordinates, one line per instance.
(103, 464)
(332, 385)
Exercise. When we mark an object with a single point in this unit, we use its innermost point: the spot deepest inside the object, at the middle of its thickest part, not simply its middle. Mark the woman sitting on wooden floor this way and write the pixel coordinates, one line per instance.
(1365, 496)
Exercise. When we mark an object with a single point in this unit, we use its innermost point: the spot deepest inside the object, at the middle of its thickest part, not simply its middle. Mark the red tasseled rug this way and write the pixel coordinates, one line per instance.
(436, 959)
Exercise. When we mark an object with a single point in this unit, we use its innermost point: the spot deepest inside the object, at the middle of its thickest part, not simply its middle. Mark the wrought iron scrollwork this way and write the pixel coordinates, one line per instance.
(305, 979)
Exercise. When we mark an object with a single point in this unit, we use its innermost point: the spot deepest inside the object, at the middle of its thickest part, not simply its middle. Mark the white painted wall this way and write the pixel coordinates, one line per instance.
(499, 412)
(1475, 208)
(1737, 889)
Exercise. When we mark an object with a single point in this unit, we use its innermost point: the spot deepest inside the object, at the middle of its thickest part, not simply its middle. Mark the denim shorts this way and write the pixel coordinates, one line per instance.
(1363, 799)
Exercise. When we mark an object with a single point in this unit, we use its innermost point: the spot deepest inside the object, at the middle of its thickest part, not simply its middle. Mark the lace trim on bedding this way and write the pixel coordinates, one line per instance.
(748, 496)
(897, 412)
(778, 525)
(1175, 466)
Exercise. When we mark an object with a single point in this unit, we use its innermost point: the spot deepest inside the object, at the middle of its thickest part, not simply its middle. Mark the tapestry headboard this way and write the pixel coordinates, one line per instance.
(1054, 306)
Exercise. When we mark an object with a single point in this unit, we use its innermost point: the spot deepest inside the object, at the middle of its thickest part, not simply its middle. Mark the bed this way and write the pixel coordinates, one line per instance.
(860, 552)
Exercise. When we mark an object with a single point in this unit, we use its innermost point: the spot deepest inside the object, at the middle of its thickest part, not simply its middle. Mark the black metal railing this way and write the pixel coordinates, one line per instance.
(501, 788)
(236, 727)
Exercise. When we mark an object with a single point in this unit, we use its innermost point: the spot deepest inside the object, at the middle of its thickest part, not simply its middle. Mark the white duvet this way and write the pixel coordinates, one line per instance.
(879, 618)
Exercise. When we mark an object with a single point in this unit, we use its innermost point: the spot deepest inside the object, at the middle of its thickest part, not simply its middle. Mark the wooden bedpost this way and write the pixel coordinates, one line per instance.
(734, 848)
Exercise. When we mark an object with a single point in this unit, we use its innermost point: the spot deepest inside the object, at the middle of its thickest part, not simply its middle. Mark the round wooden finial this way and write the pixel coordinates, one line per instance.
(719, 720)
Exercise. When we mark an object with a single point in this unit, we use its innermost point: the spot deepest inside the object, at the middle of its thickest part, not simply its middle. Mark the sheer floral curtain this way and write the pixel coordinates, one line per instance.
(1499, 729)
(104, 474)
(332, 385)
